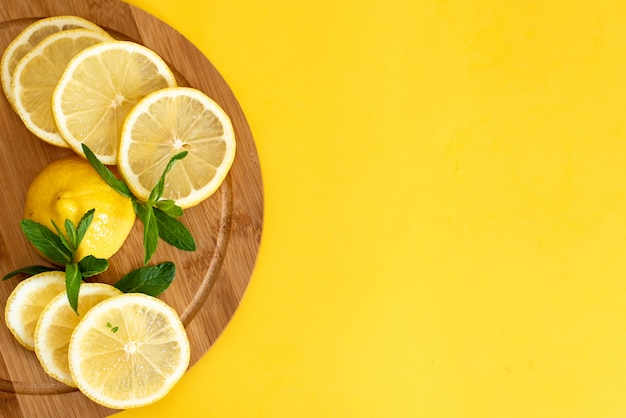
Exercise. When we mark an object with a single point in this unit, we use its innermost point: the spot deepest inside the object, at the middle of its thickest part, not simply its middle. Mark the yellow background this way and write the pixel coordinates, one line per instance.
(445, 209)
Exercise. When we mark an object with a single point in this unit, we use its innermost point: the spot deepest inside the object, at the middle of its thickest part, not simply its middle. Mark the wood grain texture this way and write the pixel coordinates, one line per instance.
(210, 282)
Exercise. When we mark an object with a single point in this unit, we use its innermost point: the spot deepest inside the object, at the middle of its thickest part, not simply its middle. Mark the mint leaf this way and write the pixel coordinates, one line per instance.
(62, 237)
(46, 241)
(170, 207)
(83, 225)
(145, 213)
(72, 236)
(151, 280)
(73, 279)
(106, 174)
(174, 232)
(30, 271)
(91, 266)
(158, 189)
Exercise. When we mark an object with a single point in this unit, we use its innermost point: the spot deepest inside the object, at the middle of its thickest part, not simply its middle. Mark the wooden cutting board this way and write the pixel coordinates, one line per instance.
(227, 227)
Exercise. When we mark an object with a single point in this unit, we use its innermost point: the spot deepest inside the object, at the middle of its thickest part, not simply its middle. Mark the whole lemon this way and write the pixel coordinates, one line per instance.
(69, 187)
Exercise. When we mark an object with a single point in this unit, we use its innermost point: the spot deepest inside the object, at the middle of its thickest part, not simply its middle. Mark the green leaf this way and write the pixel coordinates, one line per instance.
(151, 280)
(145, 213)
(106, 174)
(170, 207)
(46, 241)
(83, 225)
(72, 236)
(73, 280)
(91, 266)
(30, 271)
(157, 191)
(174, 232)
(62, 237)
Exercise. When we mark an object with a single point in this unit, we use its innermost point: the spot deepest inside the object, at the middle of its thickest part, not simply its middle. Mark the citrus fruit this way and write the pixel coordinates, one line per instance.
(37, 74)
(56, 323)
(165, 123)
(128, 351)
(27, 301)
(31, 36)
(97, 90)
(69, 187)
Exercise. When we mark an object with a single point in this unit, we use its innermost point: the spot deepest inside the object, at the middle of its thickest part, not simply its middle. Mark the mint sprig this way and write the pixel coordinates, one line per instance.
(60, 248)
(158, 216)
(151, 280)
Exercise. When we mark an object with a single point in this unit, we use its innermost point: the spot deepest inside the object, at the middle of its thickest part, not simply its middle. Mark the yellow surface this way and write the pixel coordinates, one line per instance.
(445, 224)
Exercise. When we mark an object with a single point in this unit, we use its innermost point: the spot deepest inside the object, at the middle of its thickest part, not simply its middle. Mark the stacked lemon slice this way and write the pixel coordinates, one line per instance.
(99, 88)
(36, 75)
(30, 37)
(73, 84)
(121, 350)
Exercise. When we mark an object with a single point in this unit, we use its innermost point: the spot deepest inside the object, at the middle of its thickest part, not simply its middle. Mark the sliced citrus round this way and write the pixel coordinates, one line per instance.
(166, 123)
(128, 351)
(98, 89)
(37, 74)
(56, 323)
(27, 301)
(31, 36)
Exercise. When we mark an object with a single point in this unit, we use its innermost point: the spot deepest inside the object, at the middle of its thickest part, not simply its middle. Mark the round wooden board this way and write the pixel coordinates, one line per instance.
(227, 227)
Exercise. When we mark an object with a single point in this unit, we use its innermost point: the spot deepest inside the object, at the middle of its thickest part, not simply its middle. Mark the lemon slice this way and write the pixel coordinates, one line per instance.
(27, 301)
(55, 326)
(31, 36)
(128, 351)
(37, 74)
(165, 123)
(98, 89)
